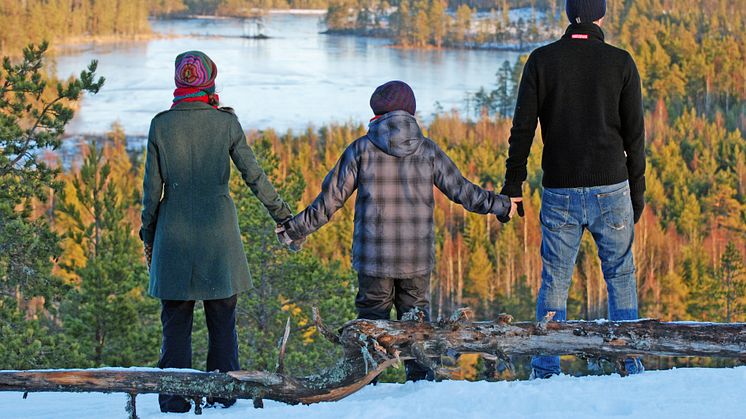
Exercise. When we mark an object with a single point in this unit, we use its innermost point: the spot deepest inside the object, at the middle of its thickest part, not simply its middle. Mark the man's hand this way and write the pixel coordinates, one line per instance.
(148, 250)
(516, 206)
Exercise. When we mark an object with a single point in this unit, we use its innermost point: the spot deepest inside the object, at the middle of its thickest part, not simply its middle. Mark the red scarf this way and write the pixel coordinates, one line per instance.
(192, 94)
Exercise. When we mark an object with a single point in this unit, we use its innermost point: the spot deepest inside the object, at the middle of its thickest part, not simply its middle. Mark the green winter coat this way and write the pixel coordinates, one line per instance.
(188, 214)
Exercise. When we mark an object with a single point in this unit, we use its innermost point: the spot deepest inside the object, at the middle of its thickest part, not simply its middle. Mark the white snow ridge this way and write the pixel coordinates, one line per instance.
(680, 393)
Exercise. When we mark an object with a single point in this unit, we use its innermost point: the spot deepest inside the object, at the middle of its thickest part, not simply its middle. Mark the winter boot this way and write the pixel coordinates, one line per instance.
(415, 372)
(215, 401)
(174, 404)
(537, 375)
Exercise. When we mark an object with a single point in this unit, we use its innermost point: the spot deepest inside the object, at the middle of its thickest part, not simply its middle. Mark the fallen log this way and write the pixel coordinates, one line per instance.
(604, 339)
(371, 346)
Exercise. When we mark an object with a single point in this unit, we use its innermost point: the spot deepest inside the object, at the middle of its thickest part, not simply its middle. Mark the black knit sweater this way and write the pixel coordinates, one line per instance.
(587, 96)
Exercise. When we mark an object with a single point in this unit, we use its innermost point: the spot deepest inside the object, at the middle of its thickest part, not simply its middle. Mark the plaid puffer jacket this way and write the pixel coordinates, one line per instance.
(393, 168)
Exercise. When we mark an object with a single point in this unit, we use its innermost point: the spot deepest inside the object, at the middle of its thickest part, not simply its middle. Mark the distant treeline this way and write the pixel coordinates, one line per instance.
(415, 23)
(169, 8)
(32, 21)
(36, 20)
(241, 7)
(471, 24)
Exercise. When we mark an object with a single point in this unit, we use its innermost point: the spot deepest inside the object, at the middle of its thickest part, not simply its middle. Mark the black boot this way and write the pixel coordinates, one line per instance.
(225, 403)
(175, 404)
(415, 372)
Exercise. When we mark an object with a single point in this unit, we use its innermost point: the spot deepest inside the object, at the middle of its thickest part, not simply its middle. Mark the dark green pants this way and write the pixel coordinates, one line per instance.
(377, 296)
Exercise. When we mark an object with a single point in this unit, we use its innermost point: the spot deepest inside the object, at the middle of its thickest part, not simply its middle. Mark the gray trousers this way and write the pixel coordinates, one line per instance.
(377, 296)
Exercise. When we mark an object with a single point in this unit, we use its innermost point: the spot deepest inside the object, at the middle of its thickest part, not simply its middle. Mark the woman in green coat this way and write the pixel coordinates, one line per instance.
(189, 224)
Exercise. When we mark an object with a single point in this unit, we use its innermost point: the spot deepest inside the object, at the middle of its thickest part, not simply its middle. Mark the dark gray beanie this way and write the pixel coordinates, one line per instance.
(393, 96)
(585, 11)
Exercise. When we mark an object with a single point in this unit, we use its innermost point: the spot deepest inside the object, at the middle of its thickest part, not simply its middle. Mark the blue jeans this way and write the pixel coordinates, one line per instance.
(606, 211)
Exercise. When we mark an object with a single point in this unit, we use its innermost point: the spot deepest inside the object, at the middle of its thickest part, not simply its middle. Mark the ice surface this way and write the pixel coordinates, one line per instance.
(295, 79)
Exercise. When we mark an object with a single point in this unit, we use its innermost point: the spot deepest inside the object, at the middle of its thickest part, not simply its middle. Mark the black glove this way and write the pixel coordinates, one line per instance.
(505, 216)
(637, 211)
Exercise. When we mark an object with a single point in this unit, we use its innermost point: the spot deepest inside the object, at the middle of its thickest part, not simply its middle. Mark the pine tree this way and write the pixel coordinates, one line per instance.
(479, 275)
(505, 11)
(705, 300)
(503, 93)
(107, 297)
(402, 26)
(285, 284)
(33, 113)
(421, 30)
(161, 8)
(732, 282)
(438, 22)
(462, 25)
(674, 296)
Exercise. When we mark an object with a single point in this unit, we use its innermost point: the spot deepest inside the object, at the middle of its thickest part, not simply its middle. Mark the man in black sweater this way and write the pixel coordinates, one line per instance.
(586, 95)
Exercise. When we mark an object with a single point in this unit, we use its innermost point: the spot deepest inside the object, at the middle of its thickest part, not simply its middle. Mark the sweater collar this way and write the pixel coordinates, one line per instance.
(592, 31)
(180, 106)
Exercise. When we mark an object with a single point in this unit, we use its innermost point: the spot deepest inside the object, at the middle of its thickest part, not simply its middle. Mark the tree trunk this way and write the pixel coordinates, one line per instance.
(371, 346)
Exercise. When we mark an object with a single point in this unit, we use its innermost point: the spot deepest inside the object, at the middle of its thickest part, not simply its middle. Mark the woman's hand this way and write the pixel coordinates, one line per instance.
(282, 235)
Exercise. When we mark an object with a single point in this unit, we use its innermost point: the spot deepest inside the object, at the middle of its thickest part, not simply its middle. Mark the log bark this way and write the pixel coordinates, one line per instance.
(605, 339)
(371, 346)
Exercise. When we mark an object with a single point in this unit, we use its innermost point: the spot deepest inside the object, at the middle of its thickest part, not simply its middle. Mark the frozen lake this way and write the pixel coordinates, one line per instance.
(295, 79)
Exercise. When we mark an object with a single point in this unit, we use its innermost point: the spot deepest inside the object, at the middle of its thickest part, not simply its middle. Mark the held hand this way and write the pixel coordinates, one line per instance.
(282, 235)
(148, 250)
(285, 240)
(513, 209)
(518, 204)
(296, 245)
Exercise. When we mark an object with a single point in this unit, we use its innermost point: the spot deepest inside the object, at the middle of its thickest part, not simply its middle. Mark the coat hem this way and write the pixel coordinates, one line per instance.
(200, 297)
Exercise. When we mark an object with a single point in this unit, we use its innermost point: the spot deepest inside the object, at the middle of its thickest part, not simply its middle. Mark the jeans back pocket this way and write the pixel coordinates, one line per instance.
(555, 209)
(616, 208)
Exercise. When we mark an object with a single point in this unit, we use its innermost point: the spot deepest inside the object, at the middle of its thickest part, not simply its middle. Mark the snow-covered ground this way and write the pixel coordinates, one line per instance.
(681, 393)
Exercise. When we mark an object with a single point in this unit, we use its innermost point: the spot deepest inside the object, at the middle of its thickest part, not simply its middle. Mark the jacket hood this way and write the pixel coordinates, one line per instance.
(396, 133)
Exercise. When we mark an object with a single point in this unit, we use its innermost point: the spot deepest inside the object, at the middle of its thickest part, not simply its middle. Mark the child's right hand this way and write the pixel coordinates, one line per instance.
(516, 206)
